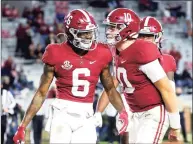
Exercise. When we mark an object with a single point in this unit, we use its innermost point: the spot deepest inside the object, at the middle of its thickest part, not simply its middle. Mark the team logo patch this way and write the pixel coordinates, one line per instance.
(67, 65)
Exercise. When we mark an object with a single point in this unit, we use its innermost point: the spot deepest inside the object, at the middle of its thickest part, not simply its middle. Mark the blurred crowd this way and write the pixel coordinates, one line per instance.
(17, 85)
(10, 12)
(36, 26)
(183, 79)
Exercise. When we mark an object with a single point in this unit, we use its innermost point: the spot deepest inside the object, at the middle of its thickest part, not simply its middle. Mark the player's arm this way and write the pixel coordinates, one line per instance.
(40, 95)
(156, 74)
(104, 100)
(113, 95)
(115, 99)
(36, 103)
(170, 76)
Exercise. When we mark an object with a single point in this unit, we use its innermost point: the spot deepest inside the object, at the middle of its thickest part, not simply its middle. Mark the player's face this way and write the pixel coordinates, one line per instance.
(85, 39)
(86, 35)
(149, 38)
(111, 32)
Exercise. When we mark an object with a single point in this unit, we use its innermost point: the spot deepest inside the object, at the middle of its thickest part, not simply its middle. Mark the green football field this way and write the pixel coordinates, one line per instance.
(45, 139)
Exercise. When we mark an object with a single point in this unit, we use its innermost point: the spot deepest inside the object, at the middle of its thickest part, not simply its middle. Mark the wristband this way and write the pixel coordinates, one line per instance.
(174, 119)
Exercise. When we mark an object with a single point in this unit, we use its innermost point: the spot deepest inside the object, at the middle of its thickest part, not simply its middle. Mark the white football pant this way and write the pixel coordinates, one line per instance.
(70, 123)
(149, 126)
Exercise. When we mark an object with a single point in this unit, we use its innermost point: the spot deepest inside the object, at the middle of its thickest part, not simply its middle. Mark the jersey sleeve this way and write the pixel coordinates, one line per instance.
(48, 56)
(172, 64)
(107, 55)
(147, 52)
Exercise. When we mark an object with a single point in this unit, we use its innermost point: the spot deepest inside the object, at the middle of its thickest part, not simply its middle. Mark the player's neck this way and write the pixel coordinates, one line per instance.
(78, 51)
(124, 45)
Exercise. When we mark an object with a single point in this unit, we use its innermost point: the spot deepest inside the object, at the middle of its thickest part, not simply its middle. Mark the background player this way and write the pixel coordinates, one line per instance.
(74, 63)
(151, 30)
(148, 92)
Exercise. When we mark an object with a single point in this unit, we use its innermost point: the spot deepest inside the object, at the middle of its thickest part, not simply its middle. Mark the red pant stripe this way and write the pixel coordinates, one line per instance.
(160, 123)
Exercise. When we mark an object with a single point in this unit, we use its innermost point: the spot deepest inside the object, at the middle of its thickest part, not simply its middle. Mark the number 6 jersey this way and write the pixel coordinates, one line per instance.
(76, 76)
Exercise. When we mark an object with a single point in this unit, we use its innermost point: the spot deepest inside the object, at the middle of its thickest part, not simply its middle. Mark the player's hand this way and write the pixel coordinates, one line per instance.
(122, 122)
(19, 137)
(98, 121)
(174, 135)
(6, 110)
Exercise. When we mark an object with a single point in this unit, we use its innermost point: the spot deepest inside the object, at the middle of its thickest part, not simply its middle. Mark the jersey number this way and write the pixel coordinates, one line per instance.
(127, 87)
(76, 82)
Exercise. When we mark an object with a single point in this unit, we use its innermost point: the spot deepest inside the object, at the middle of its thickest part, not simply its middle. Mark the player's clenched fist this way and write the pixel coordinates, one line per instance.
(174, 134)
(122, 122)
(19, 137)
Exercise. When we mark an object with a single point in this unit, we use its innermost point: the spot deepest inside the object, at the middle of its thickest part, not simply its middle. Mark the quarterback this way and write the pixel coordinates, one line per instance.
(146, 87)
(115, 22)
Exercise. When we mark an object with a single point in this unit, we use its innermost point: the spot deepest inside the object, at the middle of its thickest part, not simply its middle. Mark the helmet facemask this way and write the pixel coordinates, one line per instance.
(84, 43)
(158, 37)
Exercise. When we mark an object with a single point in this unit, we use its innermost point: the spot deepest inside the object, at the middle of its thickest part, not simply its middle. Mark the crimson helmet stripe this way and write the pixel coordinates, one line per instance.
(146, 21)
(85, 14)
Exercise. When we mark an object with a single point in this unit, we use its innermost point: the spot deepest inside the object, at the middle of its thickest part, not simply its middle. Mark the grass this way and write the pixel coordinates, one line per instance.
(45, 139)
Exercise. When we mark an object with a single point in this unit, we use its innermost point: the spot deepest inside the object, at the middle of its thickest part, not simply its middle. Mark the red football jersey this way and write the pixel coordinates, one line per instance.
(76, 76)
(168, 63)
(140, 93)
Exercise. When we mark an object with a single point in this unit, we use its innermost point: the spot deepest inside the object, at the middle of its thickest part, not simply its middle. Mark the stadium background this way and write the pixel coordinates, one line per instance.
(28, 26)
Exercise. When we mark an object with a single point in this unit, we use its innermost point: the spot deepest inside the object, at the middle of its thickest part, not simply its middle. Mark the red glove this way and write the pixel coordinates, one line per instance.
(19, 136)
(122, 122)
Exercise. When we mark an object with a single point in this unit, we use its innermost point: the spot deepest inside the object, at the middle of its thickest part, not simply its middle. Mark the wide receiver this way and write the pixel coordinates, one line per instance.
(76, 64)
(147, 90)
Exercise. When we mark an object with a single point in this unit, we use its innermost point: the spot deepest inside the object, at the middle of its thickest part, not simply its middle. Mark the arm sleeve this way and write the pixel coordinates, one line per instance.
(153, 70)
(48, 56)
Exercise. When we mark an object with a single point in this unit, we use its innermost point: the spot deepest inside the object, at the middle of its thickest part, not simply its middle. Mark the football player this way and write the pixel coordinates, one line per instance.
(76, 64)
(151, 30)
(147, 91)
(115, 22)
